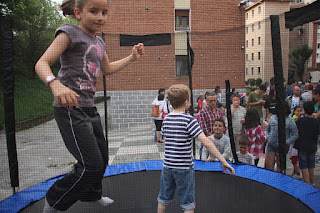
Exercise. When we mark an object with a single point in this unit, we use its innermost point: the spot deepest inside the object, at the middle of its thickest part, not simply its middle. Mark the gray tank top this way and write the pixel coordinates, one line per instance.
(80, 64)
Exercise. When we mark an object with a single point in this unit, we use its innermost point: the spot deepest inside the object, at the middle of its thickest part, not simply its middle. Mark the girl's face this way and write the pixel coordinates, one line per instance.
(92, 16)
(298, 111)
(236, 102)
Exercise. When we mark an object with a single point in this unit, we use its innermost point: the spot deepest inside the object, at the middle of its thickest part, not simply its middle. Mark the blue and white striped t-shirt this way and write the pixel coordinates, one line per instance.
(178, 130)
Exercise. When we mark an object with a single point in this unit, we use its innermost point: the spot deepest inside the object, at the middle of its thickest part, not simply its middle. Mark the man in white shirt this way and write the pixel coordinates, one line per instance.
(295, 99)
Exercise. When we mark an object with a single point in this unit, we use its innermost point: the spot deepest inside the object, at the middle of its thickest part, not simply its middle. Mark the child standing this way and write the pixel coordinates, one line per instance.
(293, 153)
(309, 131)
(255, 134)
(220, 140)
(178, 129)
(238, 113)
(82, 58)
(272, 148)
(163, 110)
(243, 155)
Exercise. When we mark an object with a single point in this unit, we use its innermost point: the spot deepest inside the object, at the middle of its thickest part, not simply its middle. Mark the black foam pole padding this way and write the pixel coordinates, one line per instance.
(7, 63)
(190, 63)
(105, 106)
(303, 15)
(147, 40)
(229, 118)
(279, 81)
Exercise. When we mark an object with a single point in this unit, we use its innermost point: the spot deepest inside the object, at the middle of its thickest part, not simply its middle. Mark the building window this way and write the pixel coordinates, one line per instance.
(252, 56)
(318, 46)
(247, 58)
(252, 69)
(247, 43)
(259, 42)
(259, 55)
(246, 30)
(252, 27)
(252, 13)
(182, 20)
(259, 70)
(259, 9)
(247, 16)
(259, 25)
(252, 42)
(247, 71)
(181, 65)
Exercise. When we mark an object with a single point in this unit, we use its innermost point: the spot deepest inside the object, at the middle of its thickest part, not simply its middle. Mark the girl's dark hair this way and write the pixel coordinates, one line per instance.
(160, 97)
(216, 90)
(287, 109)
(252, 118)
(68, 6)
(272, 93)
(296, 107)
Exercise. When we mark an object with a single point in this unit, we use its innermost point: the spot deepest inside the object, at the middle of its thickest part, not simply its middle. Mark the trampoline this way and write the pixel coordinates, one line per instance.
(135, 187)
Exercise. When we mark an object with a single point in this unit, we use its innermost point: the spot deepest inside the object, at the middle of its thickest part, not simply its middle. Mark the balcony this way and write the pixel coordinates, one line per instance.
(182, 28)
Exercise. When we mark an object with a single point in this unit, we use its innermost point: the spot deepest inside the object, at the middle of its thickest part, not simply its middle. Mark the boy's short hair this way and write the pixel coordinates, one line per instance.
(220, 120)
(178, 94)
(263, 87)
(235, 95)
(308, 107)
(244, 140)
(211, 93)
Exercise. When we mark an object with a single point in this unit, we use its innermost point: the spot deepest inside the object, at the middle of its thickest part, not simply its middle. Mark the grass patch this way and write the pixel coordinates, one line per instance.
(31, 97)
(32, 100)
(52, 165)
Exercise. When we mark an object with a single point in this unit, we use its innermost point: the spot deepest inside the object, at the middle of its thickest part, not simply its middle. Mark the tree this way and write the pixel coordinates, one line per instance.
(298, 58)
(252, 81)
(272, 81)
(34, 23)
(258, 81)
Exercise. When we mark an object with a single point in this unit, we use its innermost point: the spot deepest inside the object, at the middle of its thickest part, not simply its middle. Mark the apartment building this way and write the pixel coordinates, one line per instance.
(309, 34)
(216, 36)
(213, 26)
(258, 43)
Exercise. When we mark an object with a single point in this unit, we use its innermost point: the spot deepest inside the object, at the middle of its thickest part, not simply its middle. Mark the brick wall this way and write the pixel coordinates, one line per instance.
(127, 109)
(217, 34)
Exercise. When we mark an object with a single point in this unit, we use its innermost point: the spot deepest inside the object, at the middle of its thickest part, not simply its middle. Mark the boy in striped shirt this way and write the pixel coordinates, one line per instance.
(178, 128)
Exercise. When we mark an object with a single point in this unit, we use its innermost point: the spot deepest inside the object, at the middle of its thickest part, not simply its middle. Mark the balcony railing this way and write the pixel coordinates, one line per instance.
(182, 28)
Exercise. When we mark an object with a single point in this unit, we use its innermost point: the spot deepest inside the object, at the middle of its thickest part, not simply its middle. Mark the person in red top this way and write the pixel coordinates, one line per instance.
(200, 101)
(255, 134)
(209, 114)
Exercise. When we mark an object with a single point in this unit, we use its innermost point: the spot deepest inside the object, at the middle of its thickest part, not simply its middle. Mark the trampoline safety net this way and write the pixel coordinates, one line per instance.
(227, 47)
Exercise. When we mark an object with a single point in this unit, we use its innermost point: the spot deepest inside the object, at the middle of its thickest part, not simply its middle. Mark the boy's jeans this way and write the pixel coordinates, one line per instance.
(184, 180)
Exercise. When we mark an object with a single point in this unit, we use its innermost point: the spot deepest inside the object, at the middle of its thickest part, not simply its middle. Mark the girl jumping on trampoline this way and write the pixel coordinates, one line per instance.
(82, 57)
(178, 129)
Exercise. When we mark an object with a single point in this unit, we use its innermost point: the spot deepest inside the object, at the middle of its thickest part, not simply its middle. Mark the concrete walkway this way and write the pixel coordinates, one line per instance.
(42, 154)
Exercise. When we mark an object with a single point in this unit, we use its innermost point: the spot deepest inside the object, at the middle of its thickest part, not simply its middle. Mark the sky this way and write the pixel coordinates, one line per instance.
(57, 1)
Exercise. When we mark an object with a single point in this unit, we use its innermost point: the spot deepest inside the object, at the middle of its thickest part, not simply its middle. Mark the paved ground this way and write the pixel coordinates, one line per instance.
(42, 154)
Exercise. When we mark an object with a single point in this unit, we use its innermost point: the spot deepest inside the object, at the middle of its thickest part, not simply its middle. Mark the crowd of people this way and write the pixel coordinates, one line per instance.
(255, 126)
